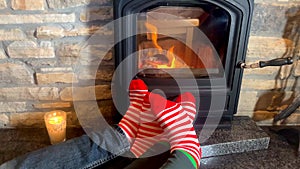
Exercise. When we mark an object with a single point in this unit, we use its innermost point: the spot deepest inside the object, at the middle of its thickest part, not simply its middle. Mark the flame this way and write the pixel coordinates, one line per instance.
(153, 29)
(170, 53)
(171, 57)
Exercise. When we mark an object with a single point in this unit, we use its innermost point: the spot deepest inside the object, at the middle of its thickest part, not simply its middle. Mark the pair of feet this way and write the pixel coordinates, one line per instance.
(151, 118)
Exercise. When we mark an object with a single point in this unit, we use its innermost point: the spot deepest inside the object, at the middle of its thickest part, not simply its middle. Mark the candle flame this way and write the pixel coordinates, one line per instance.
(55, 120)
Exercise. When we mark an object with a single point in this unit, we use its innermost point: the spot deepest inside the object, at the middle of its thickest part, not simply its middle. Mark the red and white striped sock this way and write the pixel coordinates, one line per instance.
(188, 103)
(177, 125)
(149, 131)
(130, 121)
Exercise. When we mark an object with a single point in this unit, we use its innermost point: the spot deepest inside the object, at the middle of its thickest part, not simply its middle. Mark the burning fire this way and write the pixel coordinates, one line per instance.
(170, 54)
(154, 36)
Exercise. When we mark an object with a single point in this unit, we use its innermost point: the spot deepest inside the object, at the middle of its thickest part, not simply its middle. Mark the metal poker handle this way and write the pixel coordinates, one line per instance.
(289, 110)
(273, 62)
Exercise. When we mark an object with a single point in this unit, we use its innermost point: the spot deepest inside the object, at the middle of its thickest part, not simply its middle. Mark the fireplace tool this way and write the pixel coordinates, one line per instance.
(276, 62)
(283, 114)
(273, 62)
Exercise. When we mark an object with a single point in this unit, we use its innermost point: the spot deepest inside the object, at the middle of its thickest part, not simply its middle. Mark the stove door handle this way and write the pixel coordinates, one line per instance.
(276, 62)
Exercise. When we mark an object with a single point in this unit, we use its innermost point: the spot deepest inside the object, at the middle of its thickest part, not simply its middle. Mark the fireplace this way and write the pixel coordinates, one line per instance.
(185, 45)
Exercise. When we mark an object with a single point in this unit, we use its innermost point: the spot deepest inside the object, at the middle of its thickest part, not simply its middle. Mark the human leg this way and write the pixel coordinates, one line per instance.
(150, 132)
(178, 126)
(186, 149)
(188, 103)
(150, 161)
(178, 160)
(131, 120)
(81, 152)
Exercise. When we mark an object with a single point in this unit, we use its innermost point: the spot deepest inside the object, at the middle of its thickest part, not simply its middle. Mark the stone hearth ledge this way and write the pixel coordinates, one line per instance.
(243, 136)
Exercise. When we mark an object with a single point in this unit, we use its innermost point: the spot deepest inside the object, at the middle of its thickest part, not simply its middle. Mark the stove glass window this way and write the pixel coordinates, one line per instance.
(170, 40)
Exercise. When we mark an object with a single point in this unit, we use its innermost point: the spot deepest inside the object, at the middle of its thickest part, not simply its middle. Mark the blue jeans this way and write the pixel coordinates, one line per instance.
(84, 153)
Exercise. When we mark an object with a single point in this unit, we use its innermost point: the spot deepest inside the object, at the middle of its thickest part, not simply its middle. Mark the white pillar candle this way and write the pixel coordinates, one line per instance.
(56, 126)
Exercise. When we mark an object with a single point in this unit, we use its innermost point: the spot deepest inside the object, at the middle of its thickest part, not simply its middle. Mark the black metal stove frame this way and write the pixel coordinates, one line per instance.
(240, 12)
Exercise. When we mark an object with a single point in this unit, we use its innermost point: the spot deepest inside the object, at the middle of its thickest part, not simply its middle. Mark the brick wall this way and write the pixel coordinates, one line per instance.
(39, 49)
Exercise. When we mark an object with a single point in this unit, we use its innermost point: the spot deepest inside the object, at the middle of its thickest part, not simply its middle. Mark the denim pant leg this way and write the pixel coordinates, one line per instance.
(79, 152)
(175, 160)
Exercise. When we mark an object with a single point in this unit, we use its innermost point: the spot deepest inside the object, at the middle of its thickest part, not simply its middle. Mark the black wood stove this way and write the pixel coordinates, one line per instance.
(185, 45)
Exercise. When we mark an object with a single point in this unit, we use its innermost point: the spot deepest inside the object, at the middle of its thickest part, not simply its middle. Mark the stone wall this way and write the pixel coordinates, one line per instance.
(275, 33)
(40, 43)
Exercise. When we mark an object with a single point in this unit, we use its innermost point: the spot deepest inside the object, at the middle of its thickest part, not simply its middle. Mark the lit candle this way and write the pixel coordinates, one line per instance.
(56, 126)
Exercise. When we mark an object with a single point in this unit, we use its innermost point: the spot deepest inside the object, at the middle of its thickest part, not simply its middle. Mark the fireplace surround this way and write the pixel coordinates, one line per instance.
(225, 24)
